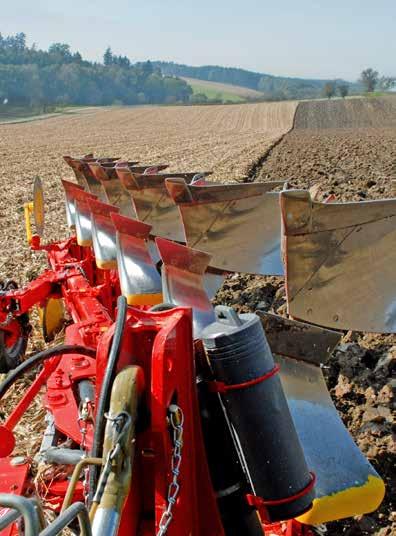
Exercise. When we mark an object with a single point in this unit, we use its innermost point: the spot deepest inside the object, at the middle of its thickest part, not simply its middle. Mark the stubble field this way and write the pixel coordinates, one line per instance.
(225, 139)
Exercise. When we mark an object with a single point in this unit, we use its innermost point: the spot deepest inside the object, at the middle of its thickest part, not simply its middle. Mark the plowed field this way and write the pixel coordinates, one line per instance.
(347, 113)
(352, 164)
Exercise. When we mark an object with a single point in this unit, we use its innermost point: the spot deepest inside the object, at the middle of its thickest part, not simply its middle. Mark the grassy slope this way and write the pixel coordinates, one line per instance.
(223, 91)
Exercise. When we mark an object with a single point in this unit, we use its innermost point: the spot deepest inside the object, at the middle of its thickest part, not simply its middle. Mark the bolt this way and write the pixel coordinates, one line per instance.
(18, 460)
(54, 397)
(80, 362)
(59, 378)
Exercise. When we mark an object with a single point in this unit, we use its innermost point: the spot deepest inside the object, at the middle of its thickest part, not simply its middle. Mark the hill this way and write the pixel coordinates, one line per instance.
(273, 87)
(346, 113)
(223, 92)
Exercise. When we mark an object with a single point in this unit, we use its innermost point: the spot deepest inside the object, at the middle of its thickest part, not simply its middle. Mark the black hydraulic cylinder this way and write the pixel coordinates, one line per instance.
(228, 478)
(239, 356)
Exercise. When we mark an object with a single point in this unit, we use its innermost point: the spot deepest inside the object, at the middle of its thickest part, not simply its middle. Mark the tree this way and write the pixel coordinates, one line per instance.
(60, 52)
(386, 83)
(198, 98)
(329, 90)
(108, 56)
(343, 90)
(369, 79)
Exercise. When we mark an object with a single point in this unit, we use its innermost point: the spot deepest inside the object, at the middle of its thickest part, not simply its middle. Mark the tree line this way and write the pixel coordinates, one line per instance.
(272, 87)
(370, 80)
(57, 76)
(278, 87)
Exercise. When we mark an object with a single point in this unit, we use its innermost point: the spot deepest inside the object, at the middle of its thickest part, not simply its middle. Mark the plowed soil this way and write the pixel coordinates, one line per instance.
(346, 113)
(353, 163)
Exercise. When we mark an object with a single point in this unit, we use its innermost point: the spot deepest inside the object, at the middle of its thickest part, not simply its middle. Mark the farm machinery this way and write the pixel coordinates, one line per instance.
(164, 414)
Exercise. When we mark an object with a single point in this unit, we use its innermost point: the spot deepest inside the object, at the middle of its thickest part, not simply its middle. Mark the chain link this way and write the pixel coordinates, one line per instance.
(7, 321)
(122, 423)
(177, 421)
(85, 415)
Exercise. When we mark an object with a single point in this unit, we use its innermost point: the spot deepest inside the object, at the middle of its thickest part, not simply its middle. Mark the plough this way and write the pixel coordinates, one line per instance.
(166, 415)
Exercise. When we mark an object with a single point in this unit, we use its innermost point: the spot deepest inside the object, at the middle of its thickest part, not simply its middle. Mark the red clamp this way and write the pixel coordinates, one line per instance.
(221, 387)
(259, 502)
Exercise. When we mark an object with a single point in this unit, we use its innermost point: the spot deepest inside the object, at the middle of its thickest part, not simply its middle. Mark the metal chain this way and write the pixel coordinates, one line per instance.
(177, 421)
(7, 321)
(85, 415)
(122, 423)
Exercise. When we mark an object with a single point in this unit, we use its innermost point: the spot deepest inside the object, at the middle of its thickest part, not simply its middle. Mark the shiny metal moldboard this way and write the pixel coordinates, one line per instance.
(153, 204)
(83, 217)
(182, 281)
(103, 234)
(115, 193)
(340, 262)
(139, 278)
(239, 225)
(70, 188)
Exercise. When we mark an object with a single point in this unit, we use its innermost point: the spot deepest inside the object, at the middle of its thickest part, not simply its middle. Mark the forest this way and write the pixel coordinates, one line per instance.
(58, 76)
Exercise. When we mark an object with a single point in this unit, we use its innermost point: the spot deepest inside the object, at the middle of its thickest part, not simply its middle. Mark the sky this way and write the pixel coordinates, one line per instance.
(301, 38)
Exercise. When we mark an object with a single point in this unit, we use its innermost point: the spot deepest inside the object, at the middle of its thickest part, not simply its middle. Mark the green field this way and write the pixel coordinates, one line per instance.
(23, 114)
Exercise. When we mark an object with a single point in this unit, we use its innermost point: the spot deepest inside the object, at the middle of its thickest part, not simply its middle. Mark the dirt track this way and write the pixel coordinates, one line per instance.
(354, 163)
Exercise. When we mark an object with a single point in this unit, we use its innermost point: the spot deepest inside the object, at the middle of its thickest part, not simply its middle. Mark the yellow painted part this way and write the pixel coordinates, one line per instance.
(347, 503)
(51, 317)
(105, 265)
(28, 208)
(38, 204)
(84, 242)
(144, 299)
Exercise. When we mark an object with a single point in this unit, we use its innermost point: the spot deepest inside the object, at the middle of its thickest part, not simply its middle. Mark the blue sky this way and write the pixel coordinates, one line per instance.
(306, 38)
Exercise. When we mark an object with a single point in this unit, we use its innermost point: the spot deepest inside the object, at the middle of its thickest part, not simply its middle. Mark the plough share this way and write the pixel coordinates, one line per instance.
(168, 416)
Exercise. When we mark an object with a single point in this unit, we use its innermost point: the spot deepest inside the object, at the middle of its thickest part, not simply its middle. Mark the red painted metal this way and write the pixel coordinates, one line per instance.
(29, 394)
(12, 480)
(159, 342)
(287, 528)
(7, 441)
(162, 344)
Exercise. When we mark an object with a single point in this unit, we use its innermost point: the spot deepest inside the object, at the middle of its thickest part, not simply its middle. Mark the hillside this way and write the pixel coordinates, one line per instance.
(348, 113)
(226, 92)
(274, 87)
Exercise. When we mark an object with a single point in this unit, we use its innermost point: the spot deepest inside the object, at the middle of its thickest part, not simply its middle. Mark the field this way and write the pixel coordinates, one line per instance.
(226, 92)
(348, 147)
(225, 139)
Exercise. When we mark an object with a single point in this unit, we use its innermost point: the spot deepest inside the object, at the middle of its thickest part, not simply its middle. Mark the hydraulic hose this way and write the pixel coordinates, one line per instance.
(38, 358)
(105, 392)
